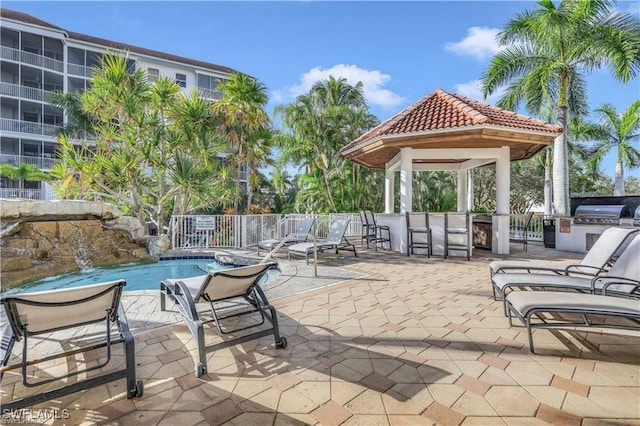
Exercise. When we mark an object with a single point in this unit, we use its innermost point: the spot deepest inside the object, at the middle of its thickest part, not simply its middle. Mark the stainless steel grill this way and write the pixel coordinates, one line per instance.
(636, 217)
(598, 215)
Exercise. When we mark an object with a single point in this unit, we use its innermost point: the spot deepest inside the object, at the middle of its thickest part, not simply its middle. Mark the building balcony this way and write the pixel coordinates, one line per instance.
(80, 70)
(29, 58)
(44, 162)
(20, 126)
(23, 92)
(30, 194)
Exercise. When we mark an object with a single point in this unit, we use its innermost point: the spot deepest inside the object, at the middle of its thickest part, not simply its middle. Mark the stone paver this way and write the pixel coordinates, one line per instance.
(409, 341)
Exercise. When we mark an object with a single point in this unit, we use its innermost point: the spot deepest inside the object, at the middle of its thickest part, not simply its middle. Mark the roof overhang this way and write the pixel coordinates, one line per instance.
(376, 152)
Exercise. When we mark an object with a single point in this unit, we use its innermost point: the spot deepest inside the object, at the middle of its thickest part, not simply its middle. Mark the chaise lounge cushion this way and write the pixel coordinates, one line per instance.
(549, 301)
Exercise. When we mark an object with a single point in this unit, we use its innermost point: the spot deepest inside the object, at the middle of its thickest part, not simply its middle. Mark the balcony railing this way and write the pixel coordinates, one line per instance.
(31, 194)
(80, 70)
(20, 126)
(31, 59)
(23, 92)
(44, 163)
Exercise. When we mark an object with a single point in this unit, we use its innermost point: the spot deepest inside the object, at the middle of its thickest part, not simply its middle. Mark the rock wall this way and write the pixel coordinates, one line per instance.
(44, 239)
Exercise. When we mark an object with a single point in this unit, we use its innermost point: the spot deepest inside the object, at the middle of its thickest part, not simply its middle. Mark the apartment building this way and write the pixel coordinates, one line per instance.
(38, 57)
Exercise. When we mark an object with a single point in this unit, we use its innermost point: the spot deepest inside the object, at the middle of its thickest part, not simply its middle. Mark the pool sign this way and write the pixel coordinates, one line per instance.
(204, 223)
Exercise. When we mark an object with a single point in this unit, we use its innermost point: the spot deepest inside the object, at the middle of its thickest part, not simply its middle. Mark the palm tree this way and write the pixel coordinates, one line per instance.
(242, 111)
(24, 172)
(320, 123)
(619, 131)
(546, 53)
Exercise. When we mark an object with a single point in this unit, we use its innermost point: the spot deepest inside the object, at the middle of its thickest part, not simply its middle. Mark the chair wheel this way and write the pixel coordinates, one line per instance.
(200, 369)
(282, 343)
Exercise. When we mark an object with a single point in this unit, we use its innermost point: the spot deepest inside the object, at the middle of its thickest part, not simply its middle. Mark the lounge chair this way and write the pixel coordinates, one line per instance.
(301, 234)
(603, 250)
(528, 304)
(625, 273)
(44, 312)
(336, 240)
(230, 293)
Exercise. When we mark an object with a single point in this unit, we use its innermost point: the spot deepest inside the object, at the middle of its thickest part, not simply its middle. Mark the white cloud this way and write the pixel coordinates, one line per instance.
(480, 42)
(473, 89)
(372, 84)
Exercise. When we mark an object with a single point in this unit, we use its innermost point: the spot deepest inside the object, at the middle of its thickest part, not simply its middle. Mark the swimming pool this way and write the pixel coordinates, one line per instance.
(138, 276)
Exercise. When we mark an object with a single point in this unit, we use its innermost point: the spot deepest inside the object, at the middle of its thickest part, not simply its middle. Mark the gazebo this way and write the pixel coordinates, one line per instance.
(446, 131)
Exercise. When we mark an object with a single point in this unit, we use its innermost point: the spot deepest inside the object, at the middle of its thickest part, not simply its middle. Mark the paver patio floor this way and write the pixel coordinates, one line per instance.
(414, 341)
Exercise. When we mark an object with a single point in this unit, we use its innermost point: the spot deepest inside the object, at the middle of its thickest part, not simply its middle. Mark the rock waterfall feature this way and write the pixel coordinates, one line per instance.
(40, 239)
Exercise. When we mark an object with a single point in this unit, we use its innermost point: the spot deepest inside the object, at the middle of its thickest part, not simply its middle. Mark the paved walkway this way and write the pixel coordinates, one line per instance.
(409, 341)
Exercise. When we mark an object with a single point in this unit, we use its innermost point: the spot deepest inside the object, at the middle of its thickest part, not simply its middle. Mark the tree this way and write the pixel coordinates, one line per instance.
(151, 148)
(241, 110)
(546, 53)
(620, 132)
(318, 124)
(24, 172)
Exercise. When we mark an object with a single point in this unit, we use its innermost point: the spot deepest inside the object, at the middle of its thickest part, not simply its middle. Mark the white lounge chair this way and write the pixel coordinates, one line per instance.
(301, 234)
(336, 240)
(230, 293)
(625, 274)
(526, 305)
(604, 249)
(44, 312)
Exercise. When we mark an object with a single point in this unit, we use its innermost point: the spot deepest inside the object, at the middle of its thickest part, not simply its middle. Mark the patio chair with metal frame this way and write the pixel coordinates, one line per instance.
(521, 232)
(382, 232)
(625, 274)
(230, 294)
(418, 223)
(43, 313)
(610, 243)
(457, 225)
(300, 235)
(336, 240)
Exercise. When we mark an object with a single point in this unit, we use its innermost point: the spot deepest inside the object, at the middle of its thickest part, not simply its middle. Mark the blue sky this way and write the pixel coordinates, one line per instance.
(401, 51)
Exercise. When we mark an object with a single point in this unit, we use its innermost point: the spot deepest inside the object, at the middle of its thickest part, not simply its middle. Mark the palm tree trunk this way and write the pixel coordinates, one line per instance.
(561, 167)
(618, 186)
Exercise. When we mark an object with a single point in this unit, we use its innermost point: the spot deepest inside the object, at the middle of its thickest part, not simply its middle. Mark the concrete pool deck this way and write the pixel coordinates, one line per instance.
(404, 340)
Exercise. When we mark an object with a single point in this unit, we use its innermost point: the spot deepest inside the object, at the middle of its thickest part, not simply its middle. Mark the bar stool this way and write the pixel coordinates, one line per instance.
(368, 230)
(418, 223)
(379, 230)
(459, 230)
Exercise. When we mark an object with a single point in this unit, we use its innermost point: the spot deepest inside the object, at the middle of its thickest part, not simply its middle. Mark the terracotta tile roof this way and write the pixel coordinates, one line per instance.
(444, 110)
(28, 19)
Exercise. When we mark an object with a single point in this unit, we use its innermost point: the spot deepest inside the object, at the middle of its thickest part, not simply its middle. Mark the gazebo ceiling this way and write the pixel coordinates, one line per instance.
(444, 120)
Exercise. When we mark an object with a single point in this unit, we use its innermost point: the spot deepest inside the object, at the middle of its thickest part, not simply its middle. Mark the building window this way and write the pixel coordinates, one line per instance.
(181, 79)
(153, 74)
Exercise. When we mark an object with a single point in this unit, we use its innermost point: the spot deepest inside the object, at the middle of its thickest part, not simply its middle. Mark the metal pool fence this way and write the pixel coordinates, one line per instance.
(242, 231)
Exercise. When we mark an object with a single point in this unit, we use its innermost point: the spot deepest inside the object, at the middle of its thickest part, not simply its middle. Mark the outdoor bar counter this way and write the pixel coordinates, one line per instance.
(398, 228)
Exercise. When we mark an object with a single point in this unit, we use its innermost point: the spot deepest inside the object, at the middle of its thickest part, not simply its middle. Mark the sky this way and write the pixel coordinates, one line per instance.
(401, 51)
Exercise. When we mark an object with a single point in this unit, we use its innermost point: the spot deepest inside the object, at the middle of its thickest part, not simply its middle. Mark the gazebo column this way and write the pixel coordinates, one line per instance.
(389, 188)
(501, 219)
(406, 180)
(463, 190)
(470, 201)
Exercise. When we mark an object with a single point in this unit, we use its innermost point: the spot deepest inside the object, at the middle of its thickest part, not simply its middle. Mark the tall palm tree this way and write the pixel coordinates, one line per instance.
(620, 132)
(242, 110)
(547, 52)
(320, 123)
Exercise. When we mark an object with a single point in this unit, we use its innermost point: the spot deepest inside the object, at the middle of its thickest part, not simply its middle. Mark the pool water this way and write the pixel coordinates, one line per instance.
(138, 277)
